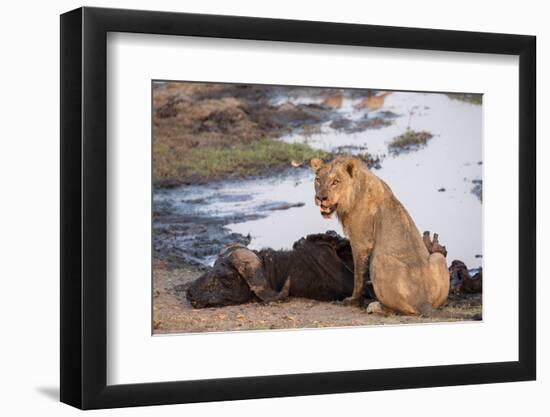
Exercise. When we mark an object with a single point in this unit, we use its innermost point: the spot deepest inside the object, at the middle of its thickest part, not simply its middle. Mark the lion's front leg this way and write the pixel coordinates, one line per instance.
(360, 265)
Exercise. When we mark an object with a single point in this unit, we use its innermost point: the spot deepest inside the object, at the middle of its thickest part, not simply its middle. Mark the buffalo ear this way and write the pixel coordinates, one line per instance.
(249, 267)
(352, 166)
(316, 164)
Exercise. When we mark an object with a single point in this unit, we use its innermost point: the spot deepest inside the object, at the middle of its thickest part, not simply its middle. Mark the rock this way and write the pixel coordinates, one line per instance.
(375, 308)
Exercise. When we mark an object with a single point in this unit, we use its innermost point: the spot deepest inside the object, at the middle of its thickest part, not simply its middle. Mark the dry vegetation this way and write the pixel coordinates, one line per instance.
(468, 98)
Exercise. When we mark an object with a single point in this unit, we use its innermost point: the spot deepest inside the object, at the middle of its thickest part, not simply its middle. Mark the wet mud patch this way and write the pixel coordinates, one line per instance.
(193, 223)
(188, 239)
(477, 189)
(355, 126)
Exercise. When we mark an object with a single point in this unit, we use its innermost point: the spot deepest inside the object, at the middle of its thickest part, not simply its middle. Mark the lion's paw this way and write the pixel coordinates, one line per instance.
(375, 308)
(353, 302)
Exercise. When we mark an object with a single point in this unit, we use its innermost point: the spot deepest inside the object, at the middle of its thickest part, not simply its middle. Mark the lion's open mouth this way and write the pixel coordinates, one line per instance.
(327, 211)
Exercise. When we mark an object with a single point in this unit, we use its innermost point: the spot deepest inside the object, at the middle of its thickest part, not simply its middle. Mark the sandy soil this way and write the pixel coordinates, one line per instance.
(172, 313)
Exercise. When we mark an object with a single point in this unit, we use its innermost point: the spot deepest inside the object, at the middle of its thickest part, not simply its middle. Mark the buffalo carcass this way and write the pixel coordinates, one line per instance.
(318, 267)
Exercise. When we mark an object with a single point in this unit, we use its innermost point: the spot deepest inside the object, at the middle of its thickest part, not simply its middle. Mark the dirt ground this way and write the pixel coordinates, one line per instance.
(172, 313)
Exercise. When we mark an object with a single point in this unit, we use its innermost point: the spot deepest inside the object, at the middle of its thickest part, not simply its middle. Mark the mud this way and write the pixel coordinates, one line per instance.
(251, 111)
(186, 233)
(355, 126)
(190, 238)
(477, 189)
(192, 118)
(176, 249)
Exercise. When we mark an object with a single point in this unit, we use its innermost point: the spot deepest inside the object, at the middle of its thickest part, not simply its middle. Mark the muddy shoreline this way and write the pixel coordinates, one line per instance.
(191, 237)
(204, 132)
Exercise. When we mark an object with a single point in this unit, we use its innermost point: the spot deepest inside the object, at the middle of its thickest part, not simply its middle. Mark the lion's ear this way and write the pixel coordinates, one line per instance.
(316, 164)
(352, 165)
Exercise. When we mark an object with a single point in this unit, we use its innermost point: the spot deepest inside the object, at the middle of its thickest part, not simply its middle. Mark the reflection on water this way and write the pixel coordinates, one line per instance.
(434, 183)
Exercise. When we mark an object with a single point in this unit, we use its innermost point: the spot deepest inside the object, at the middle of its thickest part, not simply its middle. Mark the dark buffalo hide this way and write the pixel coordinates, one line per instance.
(462, 281)
(318, 267)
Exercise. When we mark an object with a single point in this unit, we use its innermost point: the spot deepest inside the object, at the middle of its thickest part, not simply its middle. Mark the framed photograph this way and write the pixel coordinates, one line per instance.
(259, 208)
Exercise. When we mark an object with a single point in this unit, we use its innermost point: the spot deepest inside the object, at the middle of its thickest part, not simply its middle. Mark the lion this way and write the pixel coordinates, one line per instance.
(373, 103)
(405, 277)
(334, 102)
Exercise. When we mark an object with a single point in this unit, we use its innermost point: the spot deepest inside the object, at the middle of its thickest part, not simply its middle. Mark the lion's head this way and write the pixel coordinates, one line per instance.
(334, 184)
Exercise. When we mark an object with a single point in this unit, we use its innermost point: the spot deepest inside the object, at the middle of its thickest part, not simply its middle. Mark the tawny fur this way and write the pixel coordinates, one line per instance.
(373, 103)
(406, 278)
(334, 102)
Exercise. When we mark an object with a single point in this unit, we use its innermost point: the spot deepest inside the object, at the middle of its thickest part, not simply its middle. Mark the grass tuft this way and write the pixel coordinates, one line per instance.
(206, 163)
(468, 98)
(410, 140)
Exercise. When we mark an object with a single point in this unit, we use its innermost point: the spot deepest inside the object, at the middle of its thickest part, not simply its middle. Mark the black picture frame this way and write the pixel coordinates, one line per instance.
(84, 207)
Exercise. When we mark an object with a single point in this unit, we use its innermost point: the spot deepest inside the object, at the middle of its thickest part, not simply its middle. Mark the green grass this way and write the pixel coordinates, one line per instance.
(204, 163)
(409, 140)
(468, 98)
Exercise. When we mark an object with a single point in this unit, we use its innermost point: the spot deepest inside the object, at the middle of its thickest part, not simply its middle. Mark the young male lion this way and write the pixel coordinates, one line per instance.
(405, 276)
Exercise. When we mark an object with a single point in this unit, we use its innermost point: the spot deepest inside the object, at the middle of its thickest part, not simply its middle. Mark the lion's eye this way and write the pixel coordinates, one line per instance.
(317, 180)
(335, 182)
